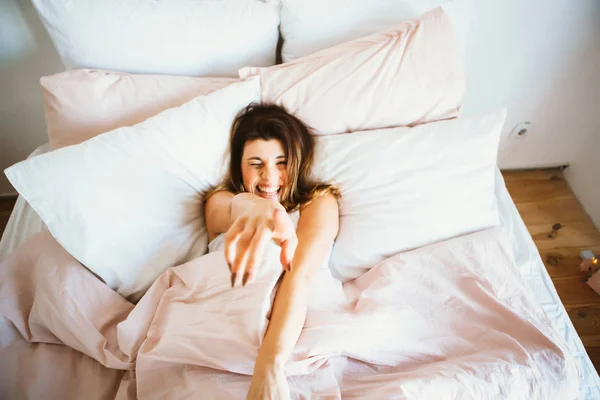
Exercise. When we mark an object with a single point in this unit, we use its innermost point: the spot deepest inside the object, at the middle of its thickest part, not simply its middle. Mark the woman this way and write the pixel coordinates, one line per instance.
(268, 178)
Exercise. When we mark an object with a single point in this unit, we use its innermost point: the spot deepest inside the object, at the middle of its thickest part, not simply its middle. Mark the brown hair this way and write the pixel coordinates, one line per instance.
(266, 122)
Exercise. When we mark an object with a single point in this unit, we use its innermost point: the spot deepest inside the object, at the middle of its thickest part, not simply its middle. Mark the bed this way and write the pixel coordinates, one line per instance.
(24, 222)
(457, 306)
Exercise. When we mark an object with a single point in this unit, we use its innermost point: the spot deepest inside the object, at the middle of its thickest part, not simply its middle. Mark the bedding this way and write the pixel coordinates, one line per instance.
(47, 371)
(539, 282)
(409, 75)
(111, 185)
(23, 221)
(404, 188)
(308, 26)
(83, 103)
(83, 377)
(128, 203)
(177, 37)
(480, 333)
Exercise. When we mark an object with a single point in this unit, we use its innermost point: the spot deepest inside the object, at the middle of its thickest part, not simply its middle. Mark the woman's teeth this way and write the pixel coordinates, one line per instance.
(268, 191)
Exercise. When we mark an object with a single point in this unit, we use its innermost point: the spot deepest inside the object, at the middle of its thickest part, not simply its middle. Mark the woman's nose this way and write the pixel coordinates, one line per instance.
(270, 173)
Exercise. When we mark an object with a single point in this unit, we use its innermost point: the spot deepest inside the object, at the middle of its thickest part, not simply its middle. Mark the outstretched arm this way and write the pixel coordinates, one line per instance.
(317, 229)
(223, 208)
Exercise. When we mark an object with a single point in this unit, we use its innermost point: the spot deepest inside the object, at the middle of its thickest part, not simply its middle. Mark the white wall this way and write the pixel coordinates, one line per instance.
(583, 175)
(539, 58)
(26, 54)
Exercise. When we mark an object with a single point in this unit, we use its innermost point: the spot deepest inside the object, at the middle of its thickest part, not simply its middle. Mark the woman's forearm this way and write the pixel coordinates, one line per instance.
(317, 228)
(287, 320)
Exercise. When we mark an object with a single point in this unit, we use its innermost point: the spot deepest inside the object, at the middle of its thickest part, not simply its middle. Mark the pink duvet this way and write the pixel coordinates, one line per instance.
(451, 320)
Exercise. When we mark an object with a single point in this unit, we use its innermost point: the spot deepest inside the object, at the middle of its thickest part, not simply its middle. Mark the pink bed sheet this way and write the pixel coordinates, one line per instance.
(451, 320)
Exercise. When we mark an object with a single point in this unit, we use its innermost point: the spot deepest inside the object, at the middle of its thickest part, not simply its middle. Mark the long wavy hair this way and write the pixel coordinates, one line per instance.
(267, 122)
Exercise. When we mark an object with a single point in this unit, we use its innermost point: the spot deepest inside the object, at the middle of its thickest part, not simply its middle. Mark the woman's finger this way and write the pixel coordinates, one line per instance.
(288, 249)
(230, 243)
(256, 249)
(283, 228)
(241, 253)
(285, 232)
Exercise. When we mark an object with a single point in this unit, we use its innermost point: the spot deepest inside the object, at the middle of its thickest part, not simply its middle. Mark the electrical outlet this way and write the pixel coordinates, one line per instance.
(520, 129)
(511, 141)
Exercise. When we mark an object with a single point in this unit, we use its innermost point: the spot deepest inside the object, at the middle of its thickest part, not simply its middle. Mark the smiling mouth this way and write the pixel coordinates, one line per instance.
(268, 192)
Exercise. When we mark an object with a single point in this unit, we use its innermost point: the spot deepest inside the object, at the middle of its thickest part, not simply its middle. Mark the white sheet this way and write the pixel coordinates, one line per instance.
(538, 280)
(24, 222)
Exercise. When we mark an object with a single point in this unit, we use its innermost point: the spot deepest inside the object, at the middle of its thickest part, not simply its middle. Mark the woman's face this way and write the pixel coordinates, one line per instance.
(264, 168)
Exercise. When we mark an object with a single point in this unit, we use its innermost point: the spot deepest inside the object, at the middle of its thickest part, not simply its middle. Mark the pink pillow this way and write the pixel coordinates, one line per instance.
(80, 104)
(406, 76)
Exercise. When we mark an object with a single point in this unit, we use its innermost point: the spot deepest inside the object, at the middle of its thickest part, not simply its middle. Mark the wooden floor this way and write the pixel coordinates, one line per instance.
(560, 228)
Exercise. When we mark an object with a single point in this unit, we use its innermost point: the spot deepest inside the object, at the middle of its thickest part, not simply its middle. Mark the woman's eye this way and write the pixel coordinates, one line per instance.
(255, 165)
(282, 163)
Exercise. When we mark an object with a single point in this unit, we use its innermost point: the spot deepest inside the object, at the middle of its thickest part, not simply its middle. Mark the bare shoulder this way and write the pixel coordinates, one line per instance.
(321, 212)
(326, 202)
(217, 198)
(217, 213)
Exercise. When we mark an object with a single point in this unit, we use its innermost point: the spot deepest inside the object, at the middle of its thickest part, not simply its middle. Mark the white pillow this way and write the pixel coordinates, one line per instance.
(404, 188)
(311, 25)
(127, 203)
(178, 37)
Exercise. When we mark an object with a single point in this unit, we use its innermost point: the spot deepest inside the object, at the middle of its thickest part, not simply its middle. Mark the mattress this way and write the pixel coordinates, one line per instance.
(24, 222)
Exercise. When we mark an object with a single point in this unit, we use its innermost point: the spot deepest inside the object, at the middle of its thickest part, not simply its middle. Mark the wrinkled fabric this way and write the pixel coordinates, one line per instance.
(83, 103)
(539, 282)
(450, 320)
(127, 203)
(409, 75)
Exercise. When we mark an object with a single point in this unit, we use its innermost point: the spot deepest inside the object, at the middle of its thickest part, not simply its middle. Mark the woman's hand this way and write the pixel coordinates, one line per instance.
(251, 231)
(268, 383)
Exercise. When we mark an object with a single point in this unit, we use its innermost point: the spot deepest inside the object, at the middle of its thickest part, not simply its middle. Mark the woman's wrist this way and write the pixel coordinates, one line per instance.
(266, 361)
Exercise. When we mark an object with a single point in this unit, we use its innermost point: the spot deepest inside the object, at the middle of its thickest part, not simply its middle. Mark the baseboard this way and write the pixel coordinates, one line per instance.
(533, 167)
